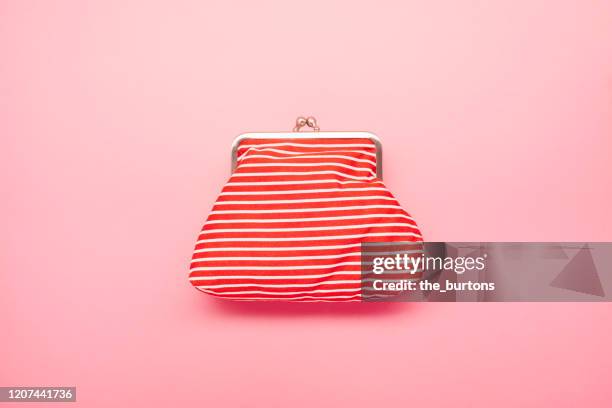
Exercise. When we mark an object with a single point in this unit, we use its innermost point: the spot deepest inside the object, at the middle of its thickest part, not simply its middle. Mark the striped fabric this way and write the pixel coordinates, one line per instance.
(290, 222)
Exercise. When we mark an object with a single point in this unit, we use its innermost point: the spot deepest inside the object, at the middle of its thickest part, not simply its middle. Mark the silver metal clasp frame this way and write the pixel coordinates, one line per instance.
(311, 122)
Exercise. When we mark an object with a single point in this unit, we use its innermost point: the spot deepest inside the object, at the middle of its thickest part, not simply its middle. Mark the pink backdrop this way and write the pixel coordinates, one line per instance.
(116, 119)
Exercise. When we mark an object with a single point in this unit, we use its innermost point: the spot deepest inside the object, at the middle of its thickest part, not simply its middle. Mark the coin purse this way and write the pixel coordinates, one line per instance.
(289, 223)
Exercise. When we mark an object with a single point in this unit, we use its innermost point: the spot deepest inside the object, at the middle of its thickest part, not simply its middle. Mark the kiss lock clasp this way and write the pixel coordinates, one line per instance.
(310, 121)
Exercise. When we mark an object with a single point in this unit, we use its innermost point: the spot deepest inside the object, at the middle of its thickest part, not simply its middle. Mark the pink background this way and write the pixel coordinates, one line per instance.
(116, 119)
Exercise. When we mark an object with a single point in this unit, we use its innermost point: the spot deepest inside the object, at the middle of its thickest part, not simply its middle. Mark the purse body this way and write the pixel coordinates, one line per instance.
(290, 222)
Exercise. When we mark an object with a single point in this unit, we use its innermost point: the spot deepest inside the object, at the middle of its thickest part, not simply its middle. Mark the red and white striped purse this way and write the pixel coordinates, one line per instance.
(289, 223)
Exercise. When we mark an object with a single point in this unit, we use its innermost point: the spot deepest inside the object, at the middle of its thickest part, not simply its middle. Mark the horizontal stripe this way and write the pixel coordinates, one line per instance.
(332, 231)
(308, 200)
(301, 210)
(311, 299)
(300, 173)
(280, 183)
(273, 277)
(276, 258)
(263, 292)
(271, 268)
(306, 220)
(332, 228)
(312, 248)
(321, 190)
(282, 285)
(279, 247)
(306, 299)
(321, 238)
